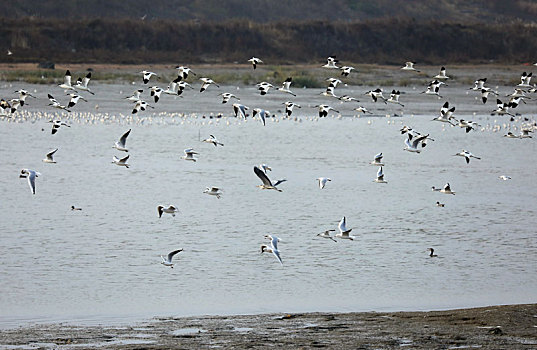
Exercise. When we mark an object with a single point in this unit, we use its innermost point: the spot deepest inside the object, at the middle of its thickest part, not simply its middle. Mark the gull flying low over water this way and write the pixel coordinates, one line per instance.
(213, 191)
(273, 247)
(267, 184)
(167, 261)
(380, 177)
(226, 96)
(410, 66)
(255, 61)
(240, 110)
(504, 177)
(189, 154)
(377, 160)
(343, 232)
(168, 210)
(31, 175)
(326, 234)
(147, 75)
(467, 155)
(49, 158)
(446, 189)
(322, 181)
(413, 147)
(213, 140)
(121, 162)
(121, 144)
(262, 114)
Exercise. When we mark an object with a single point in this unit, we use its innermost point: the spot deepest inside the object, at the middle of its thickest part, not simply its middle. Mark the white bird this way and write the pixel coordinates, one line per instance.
(172, 88)
(240, 110)
(168, 210)
(67, 81)
(267, 184)
(324, 109)
(135, 97)
(410, 66)
(265, 168)
(376, 95)
(286, 85)
(442, 74)
(347, 98)
(333, 82)
(189, 154)
(262, 114)
(264, 87)
(182, 72)
(343, 232)
(468, 125)
(377, 160)
(155, 92)
(167, 261)
(479, 84)
(467, 155)
(255, 61)
(140, 105)
(206, 83)
(380, 177)
(226, 96)
(54, 103)
(329, 92)
(74, 100)
(331, 62)
(289, 107)
(22, 96)
(121, 162)
(446, 189)
(213, 191)
(213, 140)
(322, 181)
(121, 144)
(273, 247)
(31, 175)
(56, 124)
(326, 234)
(147, 75)
(413, 147)
(362, 109)
(525, 80)
(346, 70)
(502, 108)
(5, 108)
(394, 98)
(49, 158)
(504, 177)
(82, 84)
(432, 90)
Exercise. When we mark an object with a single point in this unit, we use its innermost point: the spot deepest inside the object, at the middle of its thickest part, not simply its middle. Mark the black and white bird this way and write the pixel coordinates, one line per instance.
(410, 66)
(331, 62)
(22, 96)
(324, 109)
(322, 181)
(525, 80)
(376, 95)
(140, 105)
(189, 154)
(394, 98)
(286, 85)
(263, 114)
(255, 61)
(213, 140)
(135, 97)
(226, 96)
(467, 155)
(413, 147)
(155, 92)
(206, 83)
(213, 191)
(168, 210)
(54, 103)
(49, 158)
(502, 108)
(380, 177)
(167, 261)
(377, 160)
(30, 175)
(343, 232)
(346, 70)
(289, 107)
(146, 75)
(264, 87)
(273, 248)
(240, 110)
(442, 74)
(66, 85)
(56, 124)
(121, 144)
(82, 84)
(183, 72)
(445, 190)
(446, 114)
(326, 234)
(267, 184)
(121, 162)
(74, 100)
(485, 94)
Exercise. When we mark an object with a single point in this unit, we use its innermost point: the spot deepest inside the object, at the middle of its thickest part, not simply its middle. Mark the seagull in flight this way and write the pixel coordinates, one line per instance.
(343, 232)
(167, 261)
(267, 184)
(49, 158)
(377, 160)
(121, 144)
(467, 155)
(240, 110)
(262, 114)
(31, 175)
(413, 147)
(326, 234)
(410, 66)
(121, 162)
(273, 247)
(213, 191)
(380, 177)
(213, 140)
(169, 210)
(322, 181)
(189, 154)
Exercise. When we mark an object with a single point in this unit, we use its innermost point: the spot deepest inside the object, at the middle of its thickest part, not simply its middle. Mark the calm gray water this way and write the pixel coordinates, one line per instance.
(103, 263)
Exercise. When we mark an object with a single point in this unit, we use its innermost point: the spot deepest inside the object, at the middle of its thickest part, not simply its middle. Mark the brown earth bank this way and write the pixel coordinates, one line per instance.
(493, 327)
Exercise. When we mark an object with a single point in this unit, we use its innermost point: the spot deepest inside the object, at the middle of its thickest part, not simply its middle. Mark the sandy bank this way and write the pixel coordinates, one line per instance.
(495, 327)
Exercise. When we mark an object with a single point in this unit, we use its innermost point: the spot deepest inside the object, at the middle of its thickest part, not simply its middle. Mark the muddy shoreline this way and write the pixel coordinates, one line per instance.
(494, 327)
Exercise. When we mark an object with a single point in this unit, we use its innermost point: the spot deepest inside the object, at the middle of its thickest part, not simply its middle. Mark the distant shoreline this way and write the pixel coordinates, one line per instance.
(492, 327)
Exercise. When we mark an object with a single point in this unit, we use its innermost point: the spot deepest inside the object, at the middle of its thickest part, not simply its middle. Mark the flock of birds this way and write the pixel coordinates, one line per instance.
(414, 141)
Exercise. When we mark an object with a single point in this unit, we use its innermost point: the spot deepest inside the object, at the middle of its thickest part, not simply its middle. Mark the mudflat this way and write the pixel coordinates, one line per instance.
(493, 327)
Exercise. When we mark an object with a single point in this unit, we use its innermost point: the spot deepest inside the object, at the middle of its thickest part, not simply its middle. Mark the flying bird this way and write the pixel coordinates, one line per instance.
(322, 181)
(273, 247)
(326, 234)
(343, 232)
(255, 61)
(121, 162)
(267, 184)
(189, 154)
(213, 191)
(31, 175)
(168, 210)
(167, 261)
(121, 144)
(49, 158)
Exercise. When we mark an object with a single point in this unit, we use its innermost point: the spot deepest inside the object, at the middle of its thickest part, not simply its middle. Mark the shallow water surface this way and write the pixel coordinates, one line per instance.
(103, 262)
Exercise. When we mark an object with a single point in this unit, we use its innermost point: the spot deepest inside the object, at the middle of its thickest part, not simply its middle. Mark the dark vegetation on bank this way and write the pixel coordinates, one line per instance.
(378, 41)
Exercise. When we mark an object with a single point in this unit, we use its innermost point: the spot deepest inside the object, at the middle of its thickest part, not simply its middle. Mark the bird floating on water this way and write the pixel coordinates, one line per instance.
(446, 189)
